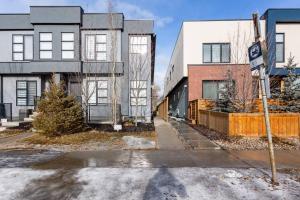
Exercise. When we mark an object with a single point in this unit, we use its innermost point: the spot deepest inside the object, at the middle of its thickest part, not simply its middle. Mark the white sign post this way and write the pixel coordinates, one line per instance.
(257, 61)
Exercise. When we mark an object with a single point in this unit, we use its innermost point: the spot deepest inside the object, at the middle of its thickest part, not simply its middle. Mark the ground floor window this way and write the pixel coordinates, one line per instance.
(98, 92)
(212, 89)
(26, 92)
(138, 93)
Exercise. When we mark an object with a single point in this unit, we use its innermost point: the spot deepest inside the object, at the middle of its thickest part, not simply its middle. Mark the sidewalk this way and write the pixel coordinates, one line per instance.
(167, 137)
(191, 137)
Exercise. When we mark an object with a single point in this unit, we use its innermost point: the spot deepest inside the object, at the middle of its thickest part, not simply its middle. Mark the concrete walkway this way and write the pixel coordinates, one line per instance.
(167, 137)
(191, 137)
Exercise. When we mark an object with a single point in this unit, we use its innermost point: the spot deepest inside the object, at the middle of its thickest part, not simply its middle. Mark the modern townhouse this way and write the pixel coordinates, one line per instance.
(89, 52)
(206, 50)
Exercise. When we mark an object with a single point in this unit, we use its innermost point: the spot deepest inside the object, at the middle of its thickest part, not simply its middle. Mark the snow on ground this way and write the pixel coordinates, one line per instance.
(151, 183)
(14, 180)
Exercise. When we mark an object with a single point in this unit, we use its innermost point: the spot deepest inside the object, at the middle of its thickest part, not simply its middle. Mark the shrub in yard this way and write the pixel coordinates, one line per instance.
(59, 114)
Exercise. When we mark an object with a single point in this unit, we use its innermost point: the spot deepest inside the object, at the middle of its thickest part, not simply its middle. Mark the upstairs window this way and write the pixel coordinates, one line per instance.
(138, 44)
(26, 92)
(45, 45)
(216, 53)
(138, 93)
(96, 47)
(22, 48)
(280, 47)
(67, 45)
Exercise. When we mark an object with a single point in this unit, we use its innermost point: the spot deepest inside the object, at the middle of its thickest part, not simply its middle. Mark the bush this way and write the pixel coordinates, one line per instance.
(59, 114)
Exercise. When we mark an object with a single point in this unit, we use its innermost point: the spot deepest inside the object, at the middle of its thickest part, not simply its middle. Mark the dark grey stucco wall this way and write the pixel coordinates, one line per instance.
(178, 99)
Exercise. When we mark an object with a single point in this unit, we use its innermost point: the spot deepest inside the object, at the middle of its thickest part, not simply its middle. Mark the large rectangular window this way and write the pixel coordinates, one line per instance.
(138, 44)
(98, 92)
(138, 93)
(280, 47)
(67, 45)
(26, 92)
(96, 47)
(45, 45)
(22, 48)
(216, 53)
(213, 89)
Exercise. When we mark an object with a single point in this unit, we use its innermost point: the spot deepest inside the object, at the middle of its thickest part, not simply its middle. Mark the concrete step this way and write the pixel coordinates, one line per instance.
(28, 119)
(10, 124)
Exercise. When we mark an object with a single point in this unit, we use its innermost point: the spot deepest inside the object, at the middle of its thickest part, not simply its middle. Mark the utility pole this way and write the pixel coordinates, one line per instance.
(257, 34)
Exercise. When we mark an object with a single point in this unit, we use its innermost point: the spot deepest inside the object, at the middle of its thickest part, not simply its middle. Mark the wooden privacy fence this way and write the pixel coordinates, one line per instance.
(250, 124)
(162, 109)
(196, 105)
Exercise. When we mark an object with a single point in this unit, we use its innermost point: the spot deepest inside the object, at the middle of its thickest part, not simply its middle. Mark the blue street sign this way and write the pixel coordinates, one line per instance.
(255, 56)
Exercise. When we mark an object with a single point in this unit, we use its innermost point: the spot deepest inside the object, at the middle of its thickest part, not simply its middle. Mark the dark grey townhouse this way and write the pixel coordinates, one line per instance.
(87, 51)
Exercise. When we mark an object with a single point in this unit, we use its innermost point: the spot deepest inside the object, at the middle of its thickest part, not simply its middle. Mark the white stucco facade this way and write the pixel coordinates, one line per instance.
(188, 49)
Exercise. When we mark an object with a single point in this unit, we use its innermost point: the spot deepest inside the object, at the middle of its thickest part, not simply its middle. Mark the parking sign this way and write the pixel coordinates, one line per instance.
(255, 56)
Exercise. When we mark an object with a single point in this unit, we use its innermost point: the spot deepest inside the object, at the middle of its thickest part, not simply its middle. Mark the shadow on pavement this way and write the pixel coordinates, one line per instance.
(164, 186)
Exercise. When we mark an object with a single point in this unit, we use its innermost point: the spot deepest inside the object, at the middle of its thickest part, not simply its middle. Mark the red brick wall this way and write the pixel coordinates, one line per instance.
(197, 73)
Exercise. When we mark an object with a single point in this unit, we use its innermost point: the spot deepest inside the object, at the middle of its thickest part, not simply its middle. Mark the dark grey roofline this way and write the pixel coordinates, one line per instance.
(269, 9)
(55, 6)
(14, 13)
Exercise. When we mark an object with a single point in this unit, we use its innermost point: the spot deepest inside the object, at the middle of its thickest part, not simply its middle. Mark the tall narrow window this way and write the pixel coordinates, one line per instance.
(67, 45)
(96, 47)
(98, 92)
(280, 47)
(45, 45)
(216, 53)
(138, 93)
(138, 44)
(26, 92)
(22, 47)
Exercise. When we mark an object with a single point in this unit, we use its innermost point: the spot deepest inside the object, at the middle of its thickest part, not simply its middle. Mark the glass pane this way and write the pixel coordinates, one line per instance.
(28, 47)
(45, 36)
(101, 56)
(31, 92)
(225, 53)
(21, 101)
(142, 93)
(68, 54)
(18, 47)
(210, 89)
(206, 53)
(102, 84)
(102, 100)
(279, 53)
(100, 47)
(21, 93)
(90, 47)
(221, 88)
(279, 38)
(142, 101)
(102, 93)
(17, 38)
(142, 49)
(101, 38)
(133, 93)
(67, 46)
(46, 54)
(45, 45)
(18, 56)
(21, 85)
(92, 92)
(67, 36)
(216, 53)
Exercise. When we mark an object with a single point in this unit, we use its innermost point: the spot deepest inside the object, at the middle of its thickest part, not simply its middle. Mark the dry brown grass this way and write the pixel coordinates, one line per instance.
(85, 137)
(10, 132)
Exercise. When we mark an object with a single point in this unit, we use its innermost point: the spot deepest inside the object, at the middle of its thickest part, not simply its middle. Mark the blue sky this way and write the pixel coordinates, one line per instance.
(168, 15)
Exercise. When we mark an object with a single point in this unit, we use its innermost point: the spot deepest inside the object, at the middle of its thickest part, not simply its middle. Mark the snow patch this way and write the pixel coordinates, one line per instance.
(138, 143)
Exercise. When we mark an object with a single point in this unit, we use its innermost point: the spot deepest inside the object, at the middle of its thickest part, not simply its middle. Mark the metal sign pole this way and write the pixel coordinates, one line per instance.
(265, 102)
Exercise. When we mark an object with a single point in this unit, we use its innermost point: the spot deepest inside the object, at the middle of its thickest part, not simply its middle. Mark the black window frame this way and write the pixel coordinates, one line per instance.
(97, 97)
(218, 92)
(23, 46)
(283, 50)
(211, 52)
(134, 88)
(62, 41)
(45, 50)
(27, 92)
(95, 47)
